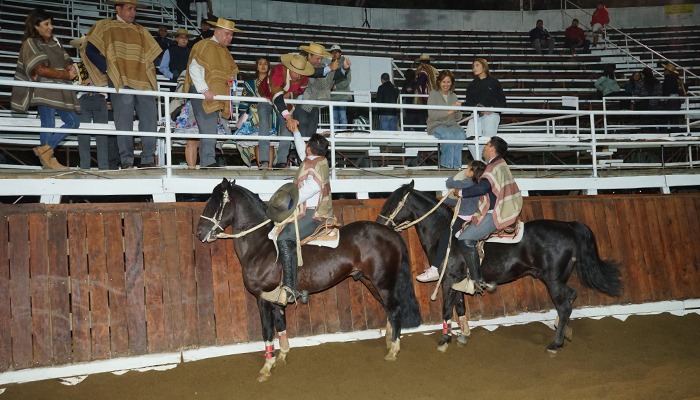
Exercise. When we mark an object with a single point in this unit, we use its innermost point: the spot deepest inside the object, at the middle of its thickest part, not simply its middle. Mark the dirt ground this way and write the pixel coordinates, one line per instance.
(644, 357)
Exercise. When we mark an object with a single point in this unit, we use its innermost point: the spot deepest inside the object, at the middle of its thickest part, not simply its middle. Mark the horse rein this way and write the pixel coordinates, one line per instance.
(407, 224)
(216, 220)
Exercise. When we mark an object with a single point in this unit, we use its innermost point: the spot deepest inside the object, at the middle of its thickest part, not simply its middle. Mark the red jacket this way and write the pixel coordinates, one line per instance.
(574, 33)
(600, 16)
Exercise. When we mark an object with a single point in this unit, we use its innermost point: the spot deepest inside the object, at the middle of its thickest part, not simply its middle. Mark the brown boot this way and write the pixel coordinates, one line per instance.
(54, 164)
(44, 153)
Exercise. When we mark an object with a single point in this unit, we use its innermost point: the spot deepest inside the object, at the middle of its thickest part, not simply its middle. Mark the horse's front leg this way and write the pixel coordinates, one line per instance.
(281, 327)
(268, 331)
(563, 297)
(449, 301)
(461, 311)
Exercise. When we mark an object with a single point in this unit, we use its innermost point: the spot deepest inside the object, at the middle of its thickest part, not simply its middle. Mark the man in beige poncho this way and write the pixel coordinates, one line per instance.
(120, 54)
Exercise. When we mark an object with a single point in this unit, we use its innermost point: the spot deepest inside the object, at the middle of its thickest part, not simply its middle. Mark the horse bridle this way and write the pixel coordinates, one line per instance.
(390, 218)
(407, 224)
(216, 219)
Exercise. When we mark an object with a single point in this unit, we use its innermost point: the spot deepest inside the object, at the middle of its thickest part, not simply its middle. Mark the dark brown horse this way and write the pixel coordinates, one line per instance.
(369, 252)
(548, 251)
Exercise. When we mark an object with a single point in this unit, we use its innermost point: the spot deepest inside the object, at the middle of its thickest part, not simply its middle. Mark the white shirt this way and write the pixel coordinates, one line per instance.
(310, 191)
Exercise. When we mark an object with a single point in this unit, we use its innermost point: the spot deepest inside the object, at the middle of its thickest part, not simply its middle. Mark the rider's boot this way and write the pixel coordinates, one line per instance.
(288, 291)
(476, 283)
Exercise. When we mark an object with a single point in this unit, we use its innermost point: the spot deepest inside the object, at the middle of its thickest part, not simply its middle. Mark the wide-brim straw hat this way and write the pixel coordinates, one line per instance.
(316, 49)
(423, 57)
(132, 2)
(298, 64)
(181, 32)
(224, 24)
(283, 202)
(670, 68)
(77, 42)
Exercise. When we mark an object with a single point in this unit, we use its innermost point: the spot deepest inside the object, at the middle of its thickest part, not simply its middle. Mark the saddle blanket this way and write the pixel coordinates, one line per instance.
(507, 235)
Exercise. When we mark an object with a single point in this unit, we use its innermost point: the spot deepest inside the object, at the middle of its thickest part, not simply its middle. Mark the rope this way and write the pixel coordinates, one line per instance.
(447, 253)
(407, 224)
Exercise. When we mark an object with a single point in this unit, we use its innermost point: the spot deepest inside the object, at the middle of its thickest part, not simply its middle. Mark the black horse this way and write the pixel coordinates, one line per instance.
(369, 252)
(548, 251)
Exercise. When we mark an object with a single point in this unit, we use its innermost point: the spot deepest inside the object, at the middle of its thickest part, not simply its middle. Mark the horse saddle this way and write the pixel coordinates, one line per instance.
(326, 234)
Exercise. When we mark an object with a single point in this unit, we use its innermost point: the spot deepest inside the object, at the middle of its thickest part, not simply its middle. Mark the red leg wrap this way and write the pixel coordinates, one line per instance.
(269, 351)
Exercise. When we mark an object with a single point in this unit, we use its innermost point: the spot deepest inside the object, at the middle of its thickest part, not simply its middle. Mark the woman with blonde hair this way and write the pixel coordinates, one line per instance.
(484, 91)
(43, 59)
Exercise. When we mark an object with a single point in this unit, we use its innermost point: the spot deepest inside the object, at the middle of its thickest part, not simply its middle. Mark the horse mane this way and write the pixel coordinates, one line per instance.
(254, 199)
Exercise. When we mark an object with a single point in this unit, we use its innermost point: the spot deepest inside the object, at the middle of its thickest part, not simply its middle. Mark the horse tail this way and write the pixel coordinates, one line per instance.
(601, 275)
(405, 295)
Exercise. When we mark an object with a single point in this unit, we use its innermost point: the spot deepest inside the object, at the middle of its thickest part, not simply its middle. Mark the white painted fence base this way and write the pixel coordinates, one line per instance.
(170, 360)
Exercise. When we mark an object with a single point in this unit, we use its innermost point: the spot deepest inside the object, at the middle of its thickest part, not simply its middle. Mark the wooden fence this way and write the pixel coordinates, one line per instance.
(92, 282)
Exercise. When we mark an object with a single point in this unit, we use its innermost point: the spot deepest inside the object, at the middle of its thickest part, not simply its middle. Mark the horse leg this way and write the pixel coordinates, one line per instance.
(268, 331)
(461, 311)
(389, 337)
(281, 328)
(448, 296)
(563, 297)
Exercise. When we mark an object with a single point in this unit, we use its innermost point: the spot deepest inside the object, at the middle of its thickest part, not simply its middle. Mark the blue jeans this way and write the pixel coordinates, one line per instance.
(450, 153)
(47, 115)
(388, 123)
(340, 117)
(474, 232)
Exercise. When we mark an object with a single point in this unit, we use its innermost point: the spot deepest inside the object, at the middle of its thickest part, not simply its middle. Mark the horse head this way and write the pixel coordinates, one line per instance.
(213, 219)
(393, 211)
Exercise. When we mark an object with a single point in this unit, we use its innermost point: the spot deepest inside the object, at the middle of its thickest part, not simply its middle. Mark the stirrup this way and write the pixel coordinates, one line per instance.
(467, 286)
(278, 296)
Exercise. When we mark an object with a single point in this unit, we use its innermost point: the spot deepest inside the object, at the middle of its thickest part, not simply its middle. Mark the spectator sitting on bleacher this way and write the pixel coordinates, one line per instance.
(93, 107)
(110, 59)
(43, 59)
(287, 80)
(175, 58)
(633, 83)
(163, 41)
(444, 124)
(484, 91)
(575, 38)
(389, 94)
(608, 87)
(426, 80)
(650, 87)
(540, 38)
(672, 87)
(599, 20)
(206, 33)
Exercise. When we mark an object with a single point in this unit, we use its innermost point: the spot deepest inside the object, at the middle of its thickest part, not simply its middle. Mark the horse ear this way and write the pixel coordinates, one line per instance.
(232, 182)
(410, 185)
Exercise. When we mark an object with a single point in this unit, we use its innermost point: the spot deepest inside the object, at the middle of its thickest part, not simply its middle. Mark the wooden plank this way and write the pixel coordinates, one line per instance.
(344, 305)
(59, 290)
(316, 315)
(116, 287)
(639, 276)
(99, 283)
(302, 319)
(646, 247)
(205, 290)
(21, 322)
(5, 303)
(237, 295)
(134, 284)
(618, 241)
(662, 268)
(330, 301)
(172, 299)
(80, 292)
(597, 223)
(188, 294)
(687, 217)
(671, 242)
(40, 278)
(153, 280)
(222, 309)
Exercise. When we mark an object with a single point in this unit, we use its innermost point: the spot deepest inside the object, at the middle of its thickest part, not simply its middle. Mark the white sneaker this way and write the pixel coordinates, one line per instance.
(429, 275)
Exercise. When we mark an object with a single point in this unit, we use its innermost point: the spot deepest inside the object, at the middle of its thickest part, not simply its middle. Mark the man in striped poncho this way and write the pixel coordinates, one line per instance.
(500, 203)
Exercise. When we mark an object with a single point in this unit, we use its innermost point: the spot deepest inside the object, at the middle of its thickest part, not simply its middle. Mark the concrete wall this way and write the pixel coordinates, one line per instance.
(383, 18)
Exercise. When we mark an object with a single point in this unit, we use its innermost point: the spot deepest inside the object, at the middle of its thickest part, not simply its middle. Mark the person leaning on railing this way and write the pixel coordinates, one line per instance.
(43, 59)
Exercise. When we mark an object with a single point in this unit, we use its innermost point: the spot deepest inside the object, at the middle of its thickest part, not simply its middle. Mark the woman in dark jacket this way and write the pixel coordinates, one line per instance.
(484, 91)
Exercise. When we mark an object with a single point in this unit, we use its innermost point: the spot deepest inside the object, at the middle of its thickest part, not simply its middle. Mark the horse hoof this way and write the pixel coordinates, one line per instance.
(390, 357)
(442, 347)
(461, 340)
(282, 357)
(263, 377)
